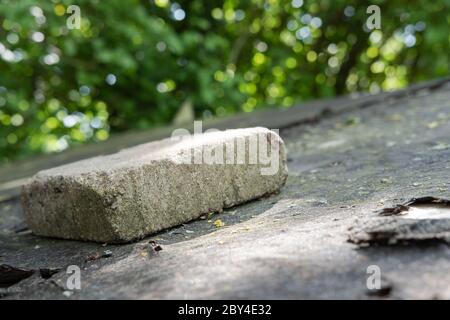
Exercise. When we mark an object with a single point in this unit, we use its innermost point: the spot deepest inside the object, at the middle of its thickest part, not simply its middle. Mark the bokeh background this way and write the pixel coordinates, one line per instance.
(133, 64)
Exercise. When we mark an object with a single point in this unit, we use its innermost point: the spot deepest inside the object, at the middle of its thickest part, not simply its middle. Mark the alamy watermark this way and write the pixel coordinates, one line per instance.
(374, 20)
(74, 280)
(262, 148)
(373, 281)
(74, 20)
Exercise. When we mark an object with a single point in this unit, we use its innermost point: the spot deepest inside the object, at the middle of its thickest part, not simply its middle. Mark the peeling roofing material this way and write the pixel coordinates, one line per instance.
(424, 219)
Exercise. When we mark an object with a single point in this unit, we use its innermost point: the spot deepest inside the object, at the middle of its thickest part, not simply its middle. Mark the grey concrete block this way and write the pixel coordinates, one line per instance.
(154, 186)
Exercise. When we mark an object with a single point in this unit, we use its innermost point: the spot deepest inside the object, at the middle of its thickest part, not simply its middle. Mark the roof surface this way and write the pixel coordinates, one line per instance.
(348, 158)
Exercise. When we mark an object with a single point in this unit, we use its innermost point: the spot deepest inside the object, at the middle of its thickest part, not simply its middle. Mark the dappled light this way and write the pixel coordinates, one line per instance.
(132, 64)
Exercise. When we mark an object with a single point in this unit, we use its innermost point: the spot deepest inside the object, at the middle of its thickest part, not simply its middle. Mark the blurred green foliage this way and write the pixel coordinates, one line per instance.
(133, 63)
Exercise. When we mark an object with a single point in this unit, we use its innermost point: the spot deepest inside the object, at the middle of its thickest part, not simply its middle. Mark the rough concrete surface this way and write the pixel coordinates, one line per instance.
(154, 186)
(344, 167)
